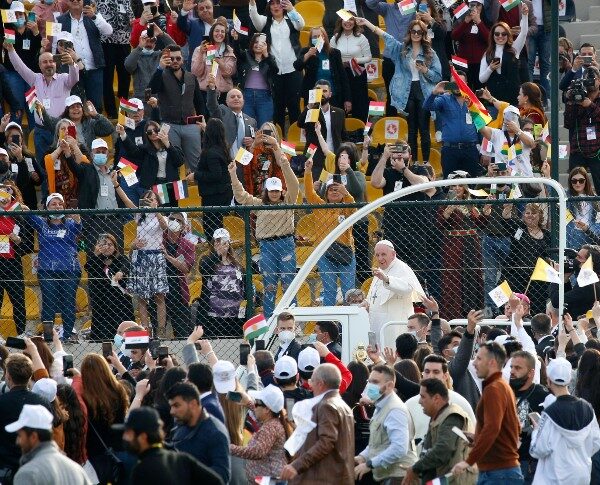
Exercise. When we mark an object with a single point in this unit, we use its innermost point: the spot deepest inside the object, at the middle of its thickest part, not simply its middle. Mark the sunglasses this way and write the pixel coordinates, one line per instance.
(176, 59)
(417, 32)
(578, 181)
(152, 131)
(500, 34)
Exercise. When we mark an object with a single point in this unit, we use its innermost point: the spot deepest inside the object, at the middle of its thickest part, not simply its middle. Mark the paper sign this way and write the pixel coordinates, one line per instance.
(4, 245)
(243, 156)
(350, 5)
(562, 151)
(129, 175)
(391, 129)
(344, 14)
(312, 116)
(372, 70)
(569, 217)
(315, 95)
(320, 43)
(53, 28)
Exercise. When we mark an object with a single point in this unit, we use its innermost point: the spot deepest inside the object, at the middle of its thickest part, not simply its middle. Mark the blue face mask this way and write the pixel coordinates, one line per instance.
(100, 158)
(312, 338)
(118, 340)
(372, 391)
(147, 52)
(48, 2)
(20, 22)
(314, 40)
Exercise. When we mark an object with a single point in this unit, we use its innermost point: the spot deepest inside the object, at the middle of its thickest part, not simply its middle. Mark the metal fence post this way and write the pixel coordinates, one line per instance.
(248, 253)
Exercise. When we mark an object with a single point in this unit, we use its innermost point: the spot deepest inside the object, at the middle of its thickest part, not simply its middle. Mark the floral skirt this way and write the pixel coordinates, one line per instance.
(148, 273)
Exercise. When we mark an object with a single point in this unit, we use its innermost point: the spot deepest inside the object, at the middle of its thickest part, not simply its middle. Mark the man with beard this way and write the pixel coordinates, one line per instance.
(198, 433)
(143, 436)
(179, 98)
(530, 398)
(52, 89)
(332, 121)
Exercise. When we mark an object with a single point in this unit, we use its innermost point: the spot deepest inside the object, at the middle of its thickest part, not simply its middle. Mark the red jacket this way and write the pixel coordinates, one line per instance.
(7, 225)
(471, 46)
(176, 34)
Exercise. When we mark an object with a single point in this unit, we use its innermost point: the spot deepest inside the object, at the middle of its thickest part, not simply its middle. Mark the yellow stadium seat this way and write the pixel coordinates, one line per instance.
(373, 223)
(378, 81)
(129, 233)
(435, 160)
(30, 278)
(312, 12)
(193, 199)
(353, 124)
(235, 226)
(82, 260)
(82, 302)
(293, 136)
(109, 141)
(303, 295)
(31, 145)
(373, 193)
(378, 136)
(373, 95)
(32, 307)
(8, 327)
(304, 38)
(381, 45)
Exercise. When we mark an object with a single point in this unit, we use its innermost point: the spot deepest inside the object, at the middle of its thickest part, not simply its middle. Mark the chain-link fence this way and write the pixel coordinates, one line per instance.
(162, 268)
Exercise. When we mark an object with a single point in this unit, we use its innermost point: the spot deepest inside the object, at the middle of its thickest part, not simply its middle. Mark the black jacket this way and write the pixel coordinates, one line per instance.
(335, 349)
(267, 67)
(11, 405)
(577, 300)
(148, 166)
(89, 182)
(341, 87)
(211, 174)
(293, 350)
(93, 35)
(157, 466)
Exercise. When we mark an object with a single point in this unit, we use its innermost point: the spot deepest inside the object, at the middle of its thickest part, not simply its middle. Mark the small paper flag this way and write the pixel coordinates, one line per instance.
(407, 7)
(569, 217)
(180, 188)
(123, 162)
(288, 148)
(586, 275)
(461, 10)
(544, 272)
(320, 43)
(460, 62)
(53, 28)
(243, 156)
(509, 4)
(312, 116)
(162, 192)
(9, 36)
(9, 16)
(501, 294)
(344, 14)
(315, 95)
(128, 107)
(237, 25)
(31, 98)
(376, 108)
(311, 150)
(211, 52)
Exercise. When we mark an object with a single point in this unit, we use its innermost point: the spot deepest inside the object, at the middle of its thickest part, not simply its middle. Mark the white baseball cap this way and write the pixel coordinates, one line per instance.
(33, 416)
(46, 388)
(559, 371)
(511, 109)
(224, 376)
(13, 124)
(222, 233)
(271, 396)
(308, 359)
(3, 152)
(285, 367)
(149, 1)
(71, 100)
(64, 35)
(54, 195)
(99, 143)
(138, 102)
(17, 6)
(273, 183)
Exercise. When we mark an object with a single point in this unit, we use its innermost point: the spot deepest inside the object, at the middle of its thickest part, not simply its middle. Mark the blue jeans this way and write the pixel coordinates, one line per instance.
(258, 104)
(329, 274)
(277, 262)
(93, 82)
(18, 87)
(494, 251)
(539, 44)
(59, 289)
(504, 476)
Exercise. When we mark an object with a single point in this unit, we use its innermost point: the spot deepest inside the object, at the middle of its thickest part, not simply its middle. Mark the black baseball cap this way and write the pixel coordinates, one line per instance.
(140, 420)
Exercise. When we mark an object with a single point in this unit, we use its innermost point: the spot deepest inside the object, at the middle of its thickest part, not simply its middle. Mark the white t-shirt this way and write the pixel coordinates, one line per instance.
(518, 166)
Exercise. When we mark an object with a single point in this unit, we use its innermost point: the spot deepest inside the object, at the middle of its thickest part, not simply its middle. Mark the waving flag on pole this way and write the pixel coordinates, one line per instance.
(31, 98)
(255, 327)
(544, 272)
(586, 275)
(460, 62)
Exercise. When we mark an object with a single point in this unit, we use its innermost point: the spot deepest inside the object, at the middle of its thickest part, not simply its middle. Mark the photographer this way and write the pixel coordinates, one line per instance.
(582, 118)
(579, 300)
(575, 67)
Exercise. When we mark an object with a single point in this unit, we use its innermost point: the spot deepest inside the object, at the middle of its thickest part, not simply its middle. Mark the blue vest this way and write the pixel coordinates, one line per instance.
(93, 36)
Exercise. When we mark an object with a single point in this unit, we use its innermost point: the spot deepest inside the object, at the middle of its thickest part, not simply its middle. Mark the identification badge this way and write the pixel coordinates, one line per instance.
(121, 8)
(325, 65)
(61, 233)
(29, 163)
(14, 168)
(468, 119)
(242, 310)
(474, 29)
(26, 44)
(139, 140)
(251, 131)
(341, 219)
(590, 132)
(104, 190)
(518, 234)
(398, 185)
(46, 103)
(16, 229)
(183, 89)
(266, 165)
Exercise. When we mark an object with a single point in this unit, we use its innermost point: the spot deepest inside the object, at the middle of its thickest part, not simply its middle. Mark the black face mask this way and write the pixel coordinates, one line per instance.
(517, 383)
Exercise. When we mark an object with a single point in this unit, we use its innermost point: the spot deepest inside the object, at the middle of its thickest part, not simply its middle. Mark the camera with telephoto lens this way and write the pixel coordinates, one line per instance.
(571, 264)
(578, 89)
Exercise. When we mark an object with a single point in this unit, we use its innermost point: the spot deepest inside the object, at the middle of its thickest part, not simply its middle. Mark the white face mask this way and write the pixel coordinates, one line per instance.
(173, 225)
(286, 336)
(125, 352)
(412, 332)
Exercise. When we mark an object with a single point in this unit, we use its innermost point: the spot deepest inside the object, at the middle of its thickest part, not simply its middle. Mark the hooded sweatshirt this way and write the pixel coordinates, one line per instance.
(564, 442)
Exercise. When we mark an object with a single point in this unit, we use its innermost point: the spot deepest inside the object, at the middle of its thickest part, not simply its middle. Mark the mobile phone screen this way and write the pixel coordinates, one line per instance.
(372, 339)
(106, 349)
(15, 343)
(67, 363)
(244, 351)
(48, 331)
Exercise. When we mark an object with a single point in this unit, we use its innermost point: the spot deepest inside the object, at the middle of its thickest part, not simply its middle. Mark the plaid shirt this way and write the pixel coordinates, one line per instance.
(578, 120)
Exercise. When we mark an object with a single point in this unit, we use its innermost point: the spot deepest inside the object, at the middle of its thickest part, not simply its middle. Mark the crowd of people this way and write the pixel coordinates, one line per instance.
(217, 91)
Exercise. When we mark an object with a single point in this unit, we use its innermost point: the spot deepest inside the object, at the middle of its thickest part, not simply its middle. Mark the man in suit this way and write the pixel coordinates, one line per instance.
(201, 375)
(328, 450)
(332, 121)
(239, 127)
(87, 26)
(197, 26)
(286, 331)
(541, 326)
(328, 333)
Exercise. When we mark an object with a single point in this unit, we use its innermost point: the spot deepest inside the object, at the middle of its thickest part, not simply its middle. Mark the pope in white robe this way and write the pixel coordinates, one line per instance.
(393, 291)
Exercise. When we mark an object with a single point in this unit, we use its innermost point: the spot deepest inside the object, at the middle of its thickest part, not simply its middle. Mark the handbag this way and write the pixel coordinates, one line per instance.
(109, 467)
(339, 254)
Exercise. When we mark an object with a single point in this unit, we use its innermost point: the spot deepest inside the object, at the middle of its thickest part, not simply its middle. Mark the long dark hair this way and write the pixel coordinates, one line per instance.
(350, 149)
(360, 374)
(214, 136)
(220, 21)
(74, 427)
(425, 42)
(337, 32)
(588, 379)
(490, 52)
